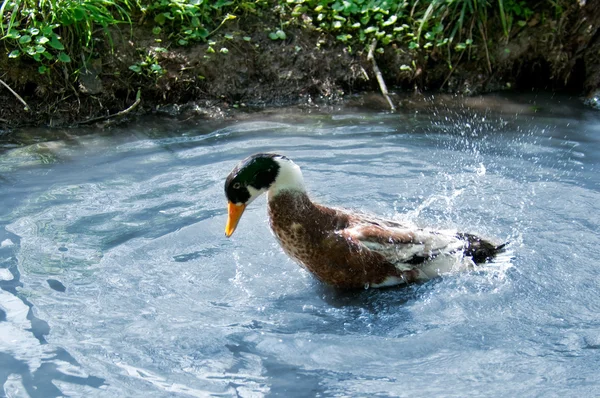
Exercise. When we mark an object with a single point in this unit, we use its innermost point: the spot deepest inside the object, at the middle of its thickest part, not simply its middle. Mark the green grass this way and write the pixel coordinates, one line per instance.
(424, 28)
(52, 32)
(64, 33)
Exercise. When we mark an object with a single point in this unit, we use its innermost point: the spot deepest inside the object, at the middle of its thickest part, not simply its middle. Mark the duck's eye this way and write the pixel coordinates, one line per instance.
(237, 185)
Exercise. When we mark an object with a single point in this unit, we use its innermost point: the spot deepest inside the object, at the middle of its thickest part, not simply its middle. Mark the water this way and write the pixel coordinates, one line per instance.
(116, 278)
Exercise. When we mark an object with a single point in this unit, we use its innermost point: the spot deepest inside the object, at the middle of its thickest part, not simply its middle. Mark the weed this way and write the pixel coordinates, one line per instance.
(49, 30)
(57, 32)
(148, 64)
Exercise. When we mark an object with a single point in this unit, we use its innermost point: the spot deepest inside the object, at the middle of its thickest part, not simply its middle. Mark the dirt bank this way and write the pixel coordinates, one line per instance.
(308, 67)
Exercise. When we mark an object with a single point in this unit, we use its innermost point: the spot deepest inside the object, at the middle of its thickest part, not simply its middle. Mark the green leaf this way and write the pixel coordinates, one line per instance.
(281, 34)
(160, 19)
(47, 30)
(203, 33)
(195, 22)
(156, 68)
(136, 68)
(79, 14)
(391, 20)
(24, 39)
(156, 30)
(55, 43)
(229, 36)
(62, 57)
(31, 50)
(42, 40)
(247, 38)
(42, 69)
(405, 67)
(14, 54)
(33, 31)
(182, 42)
(40, 49)
(273, 36)
(224, 50)
(222, 3)
(13, 34)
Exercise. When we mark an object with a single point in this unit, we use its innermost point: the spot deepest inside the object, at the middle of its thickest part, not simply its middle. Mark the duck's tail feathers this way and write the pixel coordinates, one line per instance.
(479, 249)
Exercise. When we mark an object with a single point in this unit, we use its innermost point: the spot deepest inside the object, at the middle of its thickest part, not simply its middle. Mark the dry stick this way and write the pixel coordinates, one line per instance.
(461, 55)
(452, 70)
(16, 95)
(487, 54)
(138, 99)
(379, 76)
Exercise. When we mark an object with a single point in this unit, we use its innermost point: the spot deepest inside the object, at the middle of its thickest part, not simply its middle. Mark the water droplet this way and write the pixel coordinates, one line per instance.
(481, 170)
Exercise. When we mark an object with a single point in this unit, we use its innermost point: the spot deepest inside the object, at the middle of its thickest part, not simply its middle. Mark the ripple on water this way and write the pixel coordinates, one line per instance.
(116, 279)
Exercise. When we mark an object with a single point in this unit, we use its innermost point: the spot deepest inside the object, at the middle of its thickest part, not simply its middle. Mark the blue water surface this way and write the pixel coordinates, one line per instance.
(116, 279)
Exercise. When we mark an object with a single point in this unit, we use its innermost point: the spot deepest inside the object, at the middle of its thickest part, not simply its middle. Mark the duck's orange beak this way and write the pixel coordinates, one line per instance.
(234, 214)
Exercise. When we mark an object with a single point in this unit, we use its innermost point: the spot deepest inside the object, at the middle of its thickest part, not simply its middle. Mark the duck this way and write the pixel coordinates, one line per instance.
(343, 248)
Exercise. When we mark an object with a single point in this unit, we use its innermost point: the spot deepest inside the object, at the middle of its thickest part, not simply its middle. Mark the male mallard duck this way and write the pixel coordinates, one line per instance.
(342, 248)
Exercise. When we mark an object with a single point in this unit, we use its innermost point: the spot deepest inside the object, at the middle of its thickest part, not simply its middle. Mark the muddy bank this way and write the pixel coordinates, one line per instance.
(308, 67)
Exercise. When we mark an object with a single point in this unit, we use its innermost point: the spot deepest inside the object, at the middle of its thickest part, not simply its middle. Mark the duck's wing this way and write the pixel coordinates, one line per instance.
(406, 248)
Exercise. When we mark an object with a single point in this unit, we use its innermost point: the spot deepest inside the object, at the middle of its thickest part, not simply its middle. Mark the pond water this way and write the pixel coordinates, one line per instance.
(116, 278)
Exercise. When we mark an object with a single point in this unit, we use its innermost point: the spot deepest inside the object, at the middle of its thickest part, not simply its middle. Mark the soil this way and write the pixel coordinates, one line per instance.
(307, 68)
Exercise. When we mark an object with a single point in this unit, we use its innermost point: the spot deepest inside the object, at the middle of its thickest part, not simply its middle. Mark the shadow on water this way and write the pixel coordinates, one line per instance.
(38, 381)
(285, 380)
(372, 300)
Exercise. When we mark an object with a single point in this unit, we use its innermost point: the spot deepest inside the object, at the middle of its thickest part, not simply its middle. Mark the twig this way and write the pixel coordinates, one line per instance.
(3, 120)
(487, 54)
(27, 108)
(379, 76)
(138, 99)
(452, 70)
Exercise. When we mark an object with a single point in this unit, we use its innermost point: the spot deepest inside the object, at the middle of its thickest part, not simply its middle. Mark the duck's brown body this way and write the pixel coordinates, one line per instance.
(314, 236)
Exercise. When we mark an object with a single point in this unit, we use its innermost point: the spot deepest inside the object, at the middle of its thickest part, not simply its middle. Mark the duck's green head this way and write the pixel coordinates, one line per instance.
(254, 176)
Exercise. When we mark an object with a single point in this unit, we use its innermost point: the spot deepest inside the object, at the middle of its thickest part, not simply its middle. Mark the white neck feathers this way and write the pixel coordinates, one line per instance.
(289, 178)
